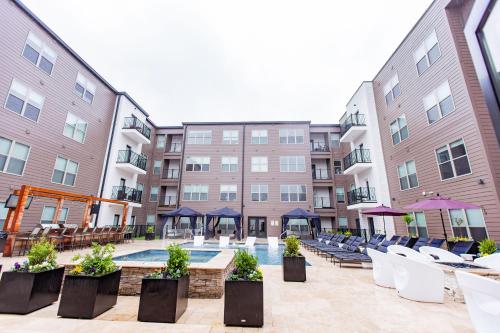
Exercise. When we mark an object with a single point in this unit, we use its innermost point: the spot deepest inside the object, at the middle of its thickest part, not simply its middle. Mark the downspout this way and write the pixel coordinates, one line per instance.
(243, 179)
(106, 163)
(181, 167)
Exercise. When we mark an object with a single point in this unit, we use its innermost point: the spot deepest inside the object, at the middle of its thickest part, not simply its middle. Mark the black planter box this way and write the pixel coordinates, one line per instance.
(88, 296)
(150, 236)
(23, 293)
(163, 300)
(294, 269)
(244, 303)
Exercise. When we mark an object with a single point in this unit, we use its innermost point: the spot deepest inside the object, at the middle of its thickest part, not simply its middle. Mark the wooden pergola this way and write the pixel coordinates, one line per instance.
(15, 215)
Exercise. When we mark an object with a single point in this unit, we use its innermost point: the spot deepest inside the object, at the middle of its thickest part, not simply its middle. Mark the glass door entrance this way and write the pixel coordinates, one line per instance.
(257, 227)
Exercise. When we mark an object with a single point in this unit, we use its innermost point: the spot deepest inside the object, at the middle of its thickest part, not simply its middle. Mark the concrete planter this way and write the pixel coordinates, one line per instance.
(23, 293)
(163, 300)
(294, 269)
(88, 296)
(149, 236)
(244, 303)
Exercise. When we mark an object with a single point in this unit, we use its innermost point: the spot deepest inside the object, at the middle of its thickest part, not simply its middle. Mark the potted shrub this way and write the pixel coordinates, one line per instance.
(91, 287)
(294, 263)
(244, 293)
(487, 247)
(34, 284)
(164, 294)
(150, 233)
(408, 219)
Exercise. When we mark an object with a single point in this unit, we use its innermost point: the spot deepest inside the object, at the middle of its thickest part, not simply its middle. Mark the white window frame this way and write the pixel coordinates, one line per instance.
(415, 225)
(292, 132)
(448, 147)
(343, 195)
(231, 162)
(87, 85)
(435, 98)
(58, 221)
(423, 51)
(293, 189)
(336, 145)
(9, 156)
(78, 122)
(197, 189)
(197, 160)
(195, 137)
(260, 136)
(397, 122)
(43, 51)
(343, 218)
(341, 167)
(65, 171)
(28, 96)
(259, 164)
(228, 189)
(466, 220)
(157, 193)
(157, 167)
(230, 137)
(259, 189)
(407, 175)
(292, 163)
(160, 143)
(389, 88)
(153, 218)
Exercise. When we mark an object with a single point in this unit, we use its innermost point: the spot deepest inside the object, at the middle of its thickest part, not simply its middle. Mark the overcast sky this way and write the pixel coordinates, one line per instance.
(234, 60)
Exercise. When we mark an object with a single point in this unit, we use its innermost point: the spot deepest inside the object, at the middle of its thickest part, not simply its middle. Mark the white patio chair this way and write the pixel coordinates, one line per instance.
(249, 242)
(272, 242)
(417, 280)
(223, 241)
(382, 268)
(407, 252)
(440, 255)
(492, 261)
(482, 298)
(198, 241)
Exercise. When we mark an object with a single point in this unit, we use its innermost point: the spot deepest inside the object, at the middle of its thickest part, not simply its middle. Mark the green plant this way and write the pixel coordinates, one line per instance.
(150, 229)
(41, 257)
(408, 219)
(177, 263)
(98, 262)
(247, 268)
(347, 233)
(459, 239)
(292, 246)
(487, 247)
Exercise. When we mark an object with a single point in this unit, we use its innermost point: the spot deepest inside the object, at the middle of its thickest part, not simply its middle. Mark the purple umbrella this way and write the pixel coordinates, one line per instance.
(383, 211)
(441, 203)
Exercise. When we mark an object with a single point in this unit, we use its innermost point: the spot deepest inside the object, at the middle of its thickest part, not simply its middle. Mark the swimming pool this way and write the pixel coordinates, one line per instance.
(162, 256)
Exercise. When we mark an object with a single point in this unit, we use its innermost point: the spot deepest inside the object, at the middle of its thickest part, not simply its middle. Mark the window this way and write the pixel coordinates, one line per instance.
(399, 130)
(3, 214)
(13, 156)
(64, 171)
(230, 137)
(226, 226)
(259, 192)
(259, 137)
(197, 163)
(392, 89)
(153, 194)
(418, 227)
(151, 219)
(75, 128)
(229, 163)
(292, 164)
(427, 53)
(343, 223)
(468, 223)
(195, 192)
(452, 160)
(39, 53)
(116, 220)
(259, 164)
(227, 193)
(439, 103)
(335, 140)
(292, 136)
(337, 167)
(340, 194)
(49, 212)
(84, 88)
(407, 175)
(160, 141)
(199, 137)
(156, 167)
(293, 193)
(24, 101)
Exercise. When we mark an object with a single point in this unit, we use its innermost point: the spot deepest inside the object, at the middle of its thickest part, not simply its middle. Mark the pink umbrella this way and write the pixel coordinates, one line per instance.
(441, 203)
(383, 211)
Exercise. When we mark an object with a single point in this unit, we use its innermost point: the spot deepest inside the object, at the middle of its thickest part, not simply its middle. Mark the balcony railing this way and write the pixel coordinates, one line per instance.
(125, 193)
(361, 195)
(321, 174)
(170, 174)
(319, 146)
(167, 201)
(352, 120)
(175, 147)
(134, 123)
(357, 156)
(128, 156)
(322, 202)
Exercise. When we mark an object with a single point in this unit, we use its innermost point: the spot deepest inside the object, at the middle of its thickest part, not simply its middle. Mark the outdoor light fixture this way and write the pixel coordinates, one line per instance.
(480, 181)
(12, 201)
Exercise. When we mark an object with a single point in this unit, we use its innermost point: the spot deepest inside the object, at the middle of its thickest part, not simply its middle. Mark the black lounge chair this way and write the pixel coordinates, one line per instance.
(328, 245)
(349, 247)
(349, 253)
(462, 247)
(436, 242)
(422, 241)
(385, 244)
(407, 241)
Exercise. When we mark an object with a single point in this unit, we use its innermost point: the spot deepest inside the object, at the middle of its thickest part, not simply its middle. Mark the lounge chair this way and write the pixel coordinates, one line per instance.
(440, 255)
(462, 247)
(385, 244)
(382, 268)
(250, 242)
(223, 241)
(198, 241)
(407, 241)
(272, 242)
(347, 251)
(417, 280)
(408, 253)
(491, 261)
(482, 298)
(436, 242)
(331, 244)
(422, 241)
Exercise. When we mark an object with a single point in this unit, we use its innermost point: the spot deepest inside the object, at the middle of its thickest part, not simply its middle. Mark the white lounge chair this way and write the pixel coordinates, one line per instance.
(407, 252)
(198, 241)
(417, 280)
(440, 255)
(272, 242)
(482, 298)
(223, 241)
(492, 261)
(249, 242)
(382, 268)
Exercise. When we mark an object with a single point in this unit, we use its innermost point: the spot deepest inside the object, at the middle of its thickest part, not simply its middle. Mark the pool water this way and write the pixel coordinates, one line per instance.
(162, 256)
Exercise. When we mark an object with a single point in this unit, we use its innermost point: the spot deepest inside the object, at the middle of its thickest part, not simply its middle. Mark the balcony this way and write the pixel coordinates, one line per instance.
(170, 174)
(321, 174)
(322, 202)
(175, 147)
(357, 161)
(136, 130)
(352, 127)
(132, 162)
(361, 197)
(125, 193)
(168, 201)
(319, 147)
